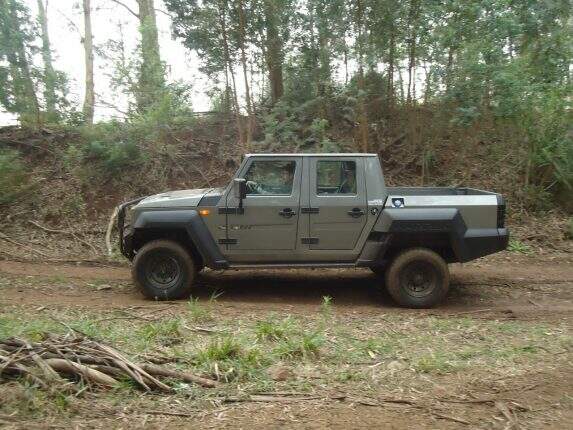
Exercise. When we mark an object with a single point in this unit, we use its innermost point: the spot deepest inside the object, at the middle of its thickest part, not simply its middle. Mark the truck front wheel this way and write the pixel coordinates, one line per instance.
(163, 270)
(418, 278)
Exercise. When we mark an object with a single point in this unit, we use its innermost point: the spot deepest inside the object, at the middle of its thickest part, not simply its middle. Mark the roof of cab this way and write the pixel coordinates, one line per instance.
(339, 154)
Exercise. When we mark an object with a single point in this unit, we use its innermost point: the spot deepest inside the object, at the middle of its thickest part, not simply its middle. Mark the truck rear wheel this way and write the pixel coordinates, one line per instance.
(418, 278)
(163, 270)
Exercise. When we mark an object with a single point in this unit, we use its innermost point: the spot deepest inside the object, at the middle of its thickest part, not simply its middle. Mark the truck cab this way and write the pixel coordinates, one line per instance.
(307, 210)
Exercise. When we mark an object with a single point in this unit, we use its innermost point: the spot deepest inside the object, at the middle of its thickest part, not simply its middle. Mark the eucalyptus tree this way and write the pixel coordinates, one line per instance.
(17, 45)
(89, 96)
(49, 76)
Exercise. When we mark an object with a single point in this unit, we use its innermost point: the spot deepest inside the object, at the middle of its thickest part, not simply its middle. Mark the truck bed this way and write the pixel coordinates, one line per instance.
(436, 191)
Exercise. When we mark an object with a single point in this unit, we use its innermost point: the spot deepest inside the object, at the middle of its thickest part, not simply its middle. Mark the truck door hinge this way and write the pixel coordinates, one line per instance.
(309, 240)
(228, 241)
(309, 210)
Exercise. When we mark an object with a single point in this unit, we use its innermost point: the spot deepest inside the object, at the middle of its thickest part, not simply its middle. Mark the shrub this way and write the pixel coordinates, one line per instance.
(13, 179)
(518, 247)
(113, 157)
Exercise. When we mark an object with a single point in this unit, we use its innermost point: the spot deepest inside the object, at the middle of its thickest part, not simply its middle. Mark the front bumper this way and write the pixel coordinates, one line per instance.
(125, 232)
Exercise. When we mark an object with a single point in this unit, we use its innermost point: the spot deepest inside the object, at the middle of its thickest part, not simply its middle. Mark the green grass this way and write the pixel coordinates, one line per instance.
(519, 247)
(326, 307)
(232, 359)
(303, 345)
(202, 311)
(220, 349)
(439, 362)
(275, 329)
(398, 349)
(165, 331)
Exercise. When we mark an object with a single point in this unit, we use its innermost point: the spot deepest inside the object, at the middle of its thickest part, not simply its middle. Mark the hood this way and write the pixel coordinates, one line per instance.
(174, 199)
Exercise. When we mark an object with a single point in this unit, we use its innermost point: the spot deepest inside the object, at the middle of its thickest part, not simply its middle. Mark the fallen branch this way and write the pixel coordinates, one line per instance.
(450, 418)
(279, 399)
(45, 362)
(49, 230)
(174, 414)
(137, 368)
(7, 239)
(71, 368)
(187, 377)
(109, 230)
(69, 233)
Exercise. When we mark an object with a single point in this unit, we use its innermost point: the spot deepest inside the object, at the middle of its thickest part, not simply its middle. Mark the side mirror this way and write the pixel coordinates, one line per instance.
(240, 189)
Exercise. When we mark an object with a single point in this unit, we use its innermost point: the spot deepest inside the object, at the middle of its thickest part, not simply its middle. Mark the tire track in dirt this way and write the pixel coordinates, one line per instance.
(542, 272)
(504, 290)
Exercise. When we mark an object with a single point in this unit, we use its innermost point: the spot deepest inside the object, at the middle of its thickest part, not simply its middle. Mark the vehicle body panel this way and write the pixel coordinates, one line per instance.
(260, 227)
(330, 223)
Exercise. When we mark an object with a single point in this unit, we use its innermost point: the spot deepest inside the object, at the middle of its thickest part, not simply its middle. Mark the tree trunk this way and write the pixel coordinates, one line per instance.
(151, 73)
(229, 66)
(362, 110)
(250, 112)
(428, 89)
(449, 68)
(413, 22)
(49, 73)
(274, 51)
(345, 64)
(323, 60)
(391, 59)
(89, 97)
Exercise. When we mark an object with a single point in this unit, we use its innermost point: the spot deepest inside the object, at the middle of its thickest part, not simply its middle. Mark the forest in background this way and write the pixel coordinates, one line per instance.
(475, 93)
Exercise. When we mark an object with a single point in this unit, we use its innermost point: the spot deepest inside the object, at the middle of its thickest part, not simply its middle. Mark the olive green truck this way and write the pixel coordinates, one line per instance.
(311, 211)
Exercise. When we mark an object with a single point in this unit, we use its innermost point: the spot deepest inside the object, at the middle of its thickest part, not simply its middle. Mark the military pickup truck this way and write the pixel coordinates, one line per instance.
(314, 211)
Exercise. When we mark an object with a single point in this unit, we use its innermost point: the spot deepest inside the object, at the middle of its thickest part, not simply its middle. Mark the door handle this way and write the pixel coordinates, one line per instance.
(356, 212)
(287, 213)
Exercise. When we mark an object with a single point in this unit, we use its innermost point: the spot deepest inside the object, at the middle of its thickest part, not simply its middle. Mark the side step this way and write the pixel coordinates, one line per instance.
(292, 266)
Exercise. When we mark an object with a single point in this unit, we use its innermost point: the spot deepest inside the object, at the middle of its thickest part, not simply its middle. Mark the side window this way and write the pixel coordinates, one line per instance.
(271, 177)
(335, 177)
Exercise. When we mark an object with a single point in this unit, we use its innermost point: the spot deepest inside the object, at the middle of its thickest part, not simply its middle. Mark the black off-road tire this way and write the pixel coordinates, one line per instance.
(163, 270)
(418, 278)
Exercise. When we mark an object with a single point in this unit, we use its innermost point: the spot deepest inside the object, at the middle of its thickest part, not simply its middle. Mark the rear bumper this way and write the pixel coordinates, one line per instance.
(480, 242)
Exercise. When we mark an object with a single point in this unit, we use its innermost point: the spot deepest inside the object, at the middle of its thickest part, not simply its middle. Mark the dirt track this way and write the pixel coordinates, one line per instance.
(532, 290)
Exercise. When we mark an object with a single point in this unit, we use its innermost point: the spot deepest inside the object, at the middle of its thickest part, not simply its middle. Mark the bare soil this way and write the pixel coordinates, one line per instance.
(510, 288)
(521, 285)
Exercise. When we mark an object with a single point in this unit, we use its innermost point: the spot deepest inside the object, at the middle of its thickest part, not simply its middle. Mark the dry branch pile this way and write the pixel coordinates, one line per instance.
(70, 359)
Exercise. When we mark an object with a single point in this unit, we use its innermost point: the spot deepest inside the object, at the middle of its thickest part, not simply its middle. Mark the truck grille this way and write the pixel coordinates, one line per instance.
(501, 213)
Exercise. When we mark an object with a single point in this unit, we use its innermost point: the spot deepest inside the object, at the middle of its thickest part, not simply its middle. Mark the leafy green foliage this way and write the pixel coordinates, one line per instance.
(13, 179)
(518, 247)
(113, 157)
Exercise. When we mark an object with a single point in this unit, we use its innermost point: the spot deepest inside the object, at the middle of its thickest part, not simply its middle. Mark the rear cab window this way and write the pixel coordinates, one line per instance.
(335, 177)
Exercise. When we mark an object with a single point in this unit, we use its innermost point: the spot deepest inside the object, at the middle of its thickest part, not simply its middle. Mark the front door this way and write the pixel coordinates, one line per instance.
(266, 228)
(338, 206)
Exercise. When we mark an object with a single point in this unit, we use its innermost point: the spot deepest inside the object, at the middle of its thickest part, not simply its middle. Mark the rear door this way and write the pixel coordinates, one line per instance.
(337, 202)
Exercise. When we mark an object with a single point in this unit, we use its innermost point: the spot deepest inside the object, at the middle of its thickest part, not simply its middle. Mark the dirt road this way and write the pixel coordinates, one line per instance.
(533, 290)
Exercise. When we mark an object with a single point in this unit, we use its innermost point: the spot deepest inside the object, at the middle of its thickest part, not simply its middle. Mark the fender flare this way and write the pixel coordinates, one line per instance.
(190, 221)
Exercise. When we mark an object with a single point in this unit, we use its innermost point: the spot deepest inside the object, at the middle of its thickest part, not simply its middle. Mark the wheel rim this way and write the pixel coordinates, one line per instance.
(163, 271)
(419, 279)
